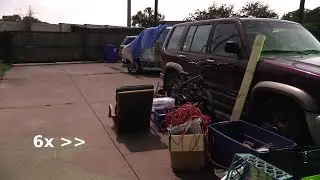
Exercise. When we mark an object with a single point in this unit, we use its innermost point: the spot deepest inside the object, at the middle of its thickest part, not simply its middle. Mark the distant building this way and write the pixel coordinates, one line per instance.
(11, 26)
(46, 27)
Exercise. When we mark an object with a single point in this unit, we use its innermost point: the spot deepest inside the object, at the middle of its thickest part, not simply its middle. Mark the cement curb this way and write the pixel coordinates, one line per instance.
(57, 63)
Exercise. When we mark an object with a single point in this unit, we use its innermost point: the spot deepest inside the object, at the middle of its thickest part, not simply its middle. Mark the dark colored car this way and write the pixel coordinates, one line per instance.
(285, 92)
(126, 41)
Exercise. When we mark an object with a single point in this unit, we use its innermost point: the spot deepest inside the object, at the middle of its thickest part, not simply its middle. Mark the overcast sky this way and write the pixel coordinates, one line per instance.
(113, 12)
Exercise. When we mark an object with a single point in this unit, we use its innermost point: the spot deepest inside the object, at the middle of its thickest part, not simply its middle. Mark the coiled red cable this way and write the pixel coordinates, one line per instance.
(186, 113)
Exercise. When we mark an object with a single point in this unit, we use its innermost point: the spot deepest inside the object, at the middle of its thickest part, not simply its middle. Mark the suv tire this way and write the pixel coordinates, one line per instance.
(207, 107)
(171, 79)
(284, 117)
(134, 67)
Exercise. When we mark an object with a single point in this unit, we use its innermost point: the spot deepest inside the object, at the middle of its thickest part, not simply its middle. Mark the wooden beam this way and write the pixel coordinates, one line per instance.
(247, 78)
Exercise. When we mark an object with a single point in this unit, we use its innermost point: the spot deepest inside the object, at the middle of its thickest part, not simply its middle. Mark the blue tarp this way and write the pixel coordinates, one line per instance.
(145, 40)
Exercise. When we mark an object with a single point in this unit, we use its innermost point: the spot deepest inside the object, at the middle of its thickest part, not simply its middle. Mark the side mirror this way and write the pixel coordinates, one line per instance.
(232, 47)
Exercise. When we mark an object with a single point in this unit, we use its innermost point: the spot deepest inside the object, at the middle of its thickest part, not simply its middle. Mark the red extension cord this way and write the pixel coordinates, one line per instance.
(185, 113)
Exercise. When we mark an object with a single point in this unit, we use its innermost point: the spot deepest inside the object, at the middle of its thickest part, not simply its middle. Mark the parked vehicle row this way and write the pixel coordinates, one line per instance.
(284, 95)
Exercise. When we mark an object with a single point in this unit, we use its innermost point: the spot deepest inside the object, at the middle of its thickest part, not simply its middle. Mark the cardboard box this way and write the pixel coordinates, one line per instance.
(187, 151)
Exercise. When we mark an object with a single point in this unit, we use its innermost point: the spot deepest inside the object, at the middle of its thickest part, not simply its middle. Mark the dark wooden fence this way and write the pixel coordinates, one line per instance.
(79, 45)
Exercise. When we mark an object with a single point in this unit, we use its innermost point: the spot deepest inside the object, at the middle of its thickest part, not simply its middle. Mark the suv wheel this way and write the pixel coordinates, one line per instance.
(206, 106)
(172, 79)
(283, 117)
(133, 67)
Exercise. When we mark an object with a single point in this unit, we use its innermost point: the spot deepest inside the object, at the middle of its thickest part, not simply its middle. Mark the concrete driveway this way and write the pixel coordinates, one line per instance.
(68, 101)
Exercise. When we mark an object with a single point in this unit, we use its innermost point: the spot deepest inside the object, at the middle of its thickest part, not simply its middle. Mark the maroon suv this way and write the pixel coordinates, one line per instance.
(285, 93)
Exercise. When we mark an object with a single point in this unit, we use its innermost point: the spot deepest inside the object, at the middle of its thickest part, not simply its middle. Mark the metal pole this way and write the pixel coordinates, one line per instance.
(301, 11)
(129, 13)
(156, 12)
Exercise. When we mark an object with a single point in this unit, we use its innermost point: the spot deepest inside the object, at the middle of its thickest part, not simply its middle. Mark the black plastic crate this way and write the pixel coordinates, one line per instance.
(300, 162)
(226, 139)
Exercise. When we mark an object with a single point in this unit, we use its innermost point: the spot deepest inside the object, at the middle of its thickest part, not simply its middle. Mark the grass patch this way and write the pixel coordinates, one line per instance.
(3, 69)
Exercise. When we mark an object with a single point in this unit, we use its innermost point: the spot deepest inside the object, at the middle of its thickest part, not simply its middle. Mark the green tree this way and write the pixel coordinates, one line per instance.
(28, 18)
(213, 12)
(145, 18)
(12, 18)
(257, 9)
(311, 20)
(311, 16)
(17, 18)
(292, 16)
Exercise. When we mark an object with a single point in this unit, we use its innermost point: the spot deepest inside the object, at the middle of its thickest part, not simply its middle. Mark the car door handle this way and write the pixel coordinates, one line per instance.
(229, 65)
(210, 60)
(225, 64)
(181, 56)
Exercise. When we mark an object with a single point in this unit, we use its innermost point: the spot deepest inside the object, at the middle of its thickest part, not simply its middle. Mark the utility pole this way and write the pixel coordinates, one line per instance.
(156, 12)
(129, 13)
(301, 11)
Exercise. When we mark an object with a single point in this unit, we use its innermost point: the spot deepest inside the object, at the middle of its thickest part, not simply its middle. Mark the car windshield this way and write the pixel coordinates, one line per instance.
(127, 40)
(130, 39)
(282, 36)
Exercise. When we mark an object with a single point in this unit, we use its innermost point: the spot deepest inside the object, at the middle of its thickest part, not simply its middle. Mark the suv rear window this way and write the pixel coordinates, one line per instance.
(174, 42)
(188, 40)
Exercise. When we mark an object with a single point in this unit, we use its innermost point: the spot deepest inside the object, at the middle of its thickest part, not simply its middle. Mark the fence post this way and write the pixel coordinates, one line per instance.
(84, 45)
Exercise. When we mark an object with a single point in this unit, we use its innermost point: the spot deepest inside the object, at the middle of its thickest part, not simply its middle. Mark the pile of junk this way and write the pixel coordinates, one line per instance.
(234, 149)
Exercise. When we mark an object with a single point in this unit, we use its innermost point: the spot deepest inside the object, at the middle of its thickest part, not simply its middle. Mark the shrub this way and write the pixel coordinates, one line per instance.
(3, 69)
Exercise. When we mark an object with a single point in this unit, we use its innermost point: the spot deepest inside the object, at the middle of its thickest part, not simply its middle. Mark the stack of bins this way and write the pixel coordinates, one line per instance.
(226, 139)
(161, 106)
